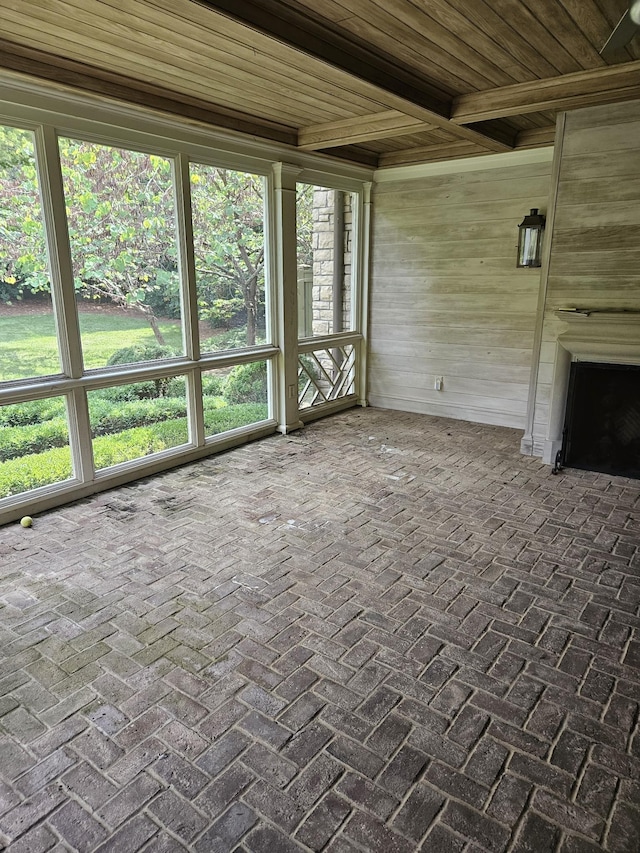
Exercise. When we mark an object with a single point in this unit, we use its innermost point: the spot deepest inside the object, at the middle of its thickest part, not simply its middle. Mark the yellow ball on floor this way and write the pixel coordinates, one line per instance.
(27, 521)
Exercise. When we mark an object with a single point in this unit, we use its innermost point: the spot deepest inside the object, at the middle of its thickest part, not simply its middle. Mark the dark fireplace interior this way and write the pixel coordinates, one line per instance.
(602, 424)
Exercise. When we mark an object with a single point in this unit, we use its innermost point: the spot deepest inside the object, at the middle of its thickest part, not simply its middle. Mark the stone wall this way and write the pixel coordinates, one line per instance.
(324, 260)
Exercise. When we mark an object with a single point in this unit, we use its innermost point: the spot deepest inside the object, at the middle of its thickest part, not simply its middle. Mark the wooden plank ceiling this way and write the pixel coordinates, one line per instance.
(383, 82)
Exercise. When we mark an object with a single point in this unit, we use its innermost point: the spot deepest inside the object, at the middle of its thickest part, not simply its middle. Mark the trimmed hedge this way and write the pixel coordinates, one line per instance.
(54, 465)
(29, 472)
(136, 443)
(22, 414)
(107, 418)
(18, 441)
(217, 420)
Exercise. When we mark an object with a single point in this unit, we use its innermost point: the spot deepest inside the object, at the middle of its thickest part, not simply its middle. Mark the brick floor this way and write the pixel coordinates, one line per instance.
(384, 633)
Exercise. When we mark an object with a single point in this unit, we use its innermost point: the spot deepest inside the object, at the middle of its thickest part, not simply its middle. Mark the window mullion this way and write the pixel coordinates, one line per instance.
(189, 295)
(63, 296)
(59, 252)
(80, 435)
(186, 259)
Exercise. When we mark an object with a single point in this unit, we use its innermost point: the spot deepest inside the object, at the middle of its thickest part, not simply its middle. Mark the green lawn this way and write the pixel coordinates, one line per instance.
(28, 343)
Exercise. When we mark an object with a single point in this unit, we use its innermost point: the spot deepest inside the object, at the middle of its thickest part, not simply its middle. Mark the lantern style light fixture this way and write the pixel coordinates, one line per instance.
(530, 233)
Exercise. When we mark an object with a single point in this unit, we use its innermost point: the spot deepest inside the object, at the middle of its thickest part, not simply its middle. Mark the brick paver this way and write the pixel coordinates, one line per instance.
(384, 633)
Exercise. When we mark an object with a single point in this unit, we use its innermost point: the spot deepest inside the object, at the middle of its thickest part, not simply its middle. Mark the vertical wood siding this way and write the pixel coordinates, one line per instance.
(447, 299)
(595, 251)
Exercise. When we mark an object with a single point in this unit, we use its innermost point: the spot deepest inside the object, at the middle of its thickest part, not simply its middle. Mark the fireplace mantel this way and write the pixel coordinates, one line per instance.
(599, 335)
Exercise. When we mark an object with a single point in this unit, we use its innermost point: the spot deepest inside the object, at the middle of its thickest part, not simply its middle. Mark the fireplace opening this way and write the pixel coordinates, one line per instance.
(602, 423)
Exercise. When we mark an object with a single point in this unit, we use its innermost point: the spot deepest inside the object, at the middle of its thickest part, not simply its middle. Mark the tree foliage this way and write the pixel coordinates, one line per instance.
(122, 231)
(304, 224)
(228, 226)
(23, 264)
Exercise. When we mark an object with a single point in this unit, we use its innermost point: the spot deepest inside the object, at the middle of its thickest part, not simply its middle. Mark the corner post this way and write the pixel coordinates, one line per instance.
(362, 288)
(286, 279)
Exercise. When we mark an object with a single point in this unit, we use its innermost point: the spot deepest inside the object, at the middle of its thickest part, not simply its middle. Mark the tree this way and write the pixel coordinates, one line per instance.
(304, 224)
(121, 218)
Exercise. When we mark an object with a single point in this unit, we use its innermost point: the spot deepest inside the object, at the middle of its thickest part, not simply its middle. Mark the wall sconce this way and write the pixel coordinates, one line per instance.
(530, 233)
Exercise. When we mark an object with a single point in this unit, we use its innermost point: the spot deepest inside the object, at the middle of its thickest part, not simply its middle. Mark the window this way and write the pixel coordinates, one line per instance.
(133, 421)
(229, 250)
(122, 233)
(235, 397)
(34, 445)
(324, 223)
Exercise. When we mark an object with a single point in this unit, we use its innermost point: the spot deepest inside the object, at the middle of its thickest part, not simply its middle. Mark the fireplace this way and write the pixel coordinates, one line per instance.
(595, 349)
(602, 424)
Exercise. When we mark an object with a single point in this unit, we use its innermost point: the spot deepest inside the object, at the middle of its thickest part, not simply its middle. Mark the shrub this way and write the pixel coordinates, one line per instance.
(220, 311)
(163, 297)
(177, 387)
(29, 472)
(247, 383)
(33, 438)
(212, 385)
(233, 339)
(140, 352)
(137, 443)
(224, 418)
(126, 393)
(107, 418)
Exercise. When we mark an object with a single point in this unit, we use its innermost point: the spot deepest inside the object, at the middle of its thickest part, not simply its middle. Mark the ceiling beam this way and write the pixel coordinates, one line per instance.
(393, 85)
(365, 128)
(430, 154)
(570, 91)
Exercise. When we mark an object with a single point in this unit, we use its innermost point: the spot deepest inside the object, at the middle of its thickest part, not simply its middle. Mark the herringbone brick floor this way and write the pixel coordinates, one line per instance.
(384, 633)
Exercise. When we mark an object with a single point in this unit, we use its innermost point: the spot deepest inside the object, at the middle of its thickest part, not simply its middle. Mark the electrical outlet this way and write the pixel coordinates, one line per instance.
(439, 383)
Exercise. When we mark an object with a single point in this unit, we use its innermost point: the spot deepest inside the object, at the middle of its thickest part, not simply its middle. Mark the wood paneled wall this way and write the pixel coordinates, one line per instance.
(595, 249)
(446, 297)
